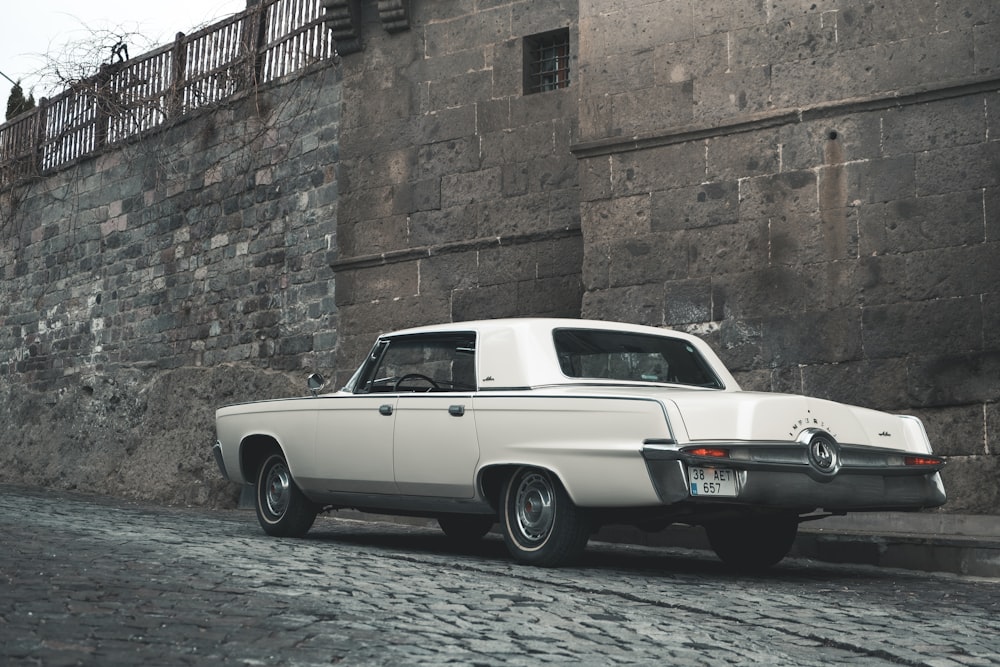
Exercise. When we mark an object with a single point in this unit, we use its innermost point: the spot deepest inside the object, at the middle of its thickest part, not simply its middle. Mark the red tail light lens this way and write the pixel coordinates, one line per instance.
(713, 452)
(923, 460)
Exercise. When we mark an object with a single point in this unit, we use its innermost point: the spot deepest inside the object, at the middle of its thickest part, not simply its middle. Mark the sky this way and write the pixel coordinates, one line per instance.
(36, 34)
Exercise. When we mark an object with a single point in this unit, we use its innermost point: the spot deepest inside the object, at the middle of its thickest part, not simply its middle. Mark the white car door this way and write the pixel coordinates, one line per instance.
(435, 448)
(354, 443)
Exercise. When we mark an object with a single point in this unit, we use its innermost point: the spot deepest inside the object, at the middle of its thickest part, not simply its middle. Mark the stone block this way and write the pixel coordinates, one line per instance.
(778, 196)
(955, 430)
(550, 297)
(688, 302)
(645, 171)
(447, 157)
(533, 141)
(745, 154)
(448, 225)
(949, 376)
(648, 259)
(725, 249)
(499, 265)
(933, 126)
(515, 216)
(992, 413)
(837, 76)
(460, 89)
(766, 43)
(486, 302)
(613, 219)
(559, 257)
(881, 180)
(595, 118)
(373, 318)
(991, 327)
(595, 178)
(649, 111)
(944, 326)
(721, 16)
(879, 384)
(831, 141)
(970, 482)
(986, 56)
(467, 32)
(732, 94)
(968, 271)
(374, 236)
(441, 274)
(783, 290)
(878, 279)
(813, 337)
(619, 73)
(461, 189)
(957, 169)
(705, 205)
(596, 269)
(924, 60)
(641, 304)
(691, 60)
(922, 223)
(529, 18)
(864, 24)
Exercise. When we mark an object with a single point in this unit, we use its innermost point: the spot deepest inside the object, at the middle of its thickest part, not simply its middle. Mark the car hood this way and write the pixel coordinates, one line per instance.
(751, 416)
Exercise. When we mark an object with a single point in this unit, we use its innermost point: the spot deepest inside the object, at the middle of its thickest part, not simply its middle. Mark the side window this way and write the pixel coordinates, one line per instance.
(423, 363)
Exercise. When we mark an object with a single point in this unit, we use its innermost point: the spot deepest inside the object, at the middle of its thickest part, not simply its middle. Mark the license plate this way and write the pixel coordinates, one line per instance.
(712, 482)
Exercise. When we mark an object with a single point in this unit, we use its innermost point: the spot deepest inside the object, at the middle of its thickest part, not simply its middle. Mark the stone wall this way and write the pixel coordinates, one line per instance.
(815, 187)
(146, 286)
(459, 194)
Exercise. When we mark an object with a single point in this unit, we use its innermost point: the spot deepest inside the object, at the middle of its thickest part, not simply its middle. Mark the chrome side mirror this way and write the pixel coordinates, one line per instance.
(315, 382)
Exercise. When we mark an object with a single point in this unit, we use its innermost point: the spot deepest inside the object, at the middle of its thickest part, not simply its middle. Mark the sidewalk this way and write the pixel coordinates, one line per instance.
(936, 542)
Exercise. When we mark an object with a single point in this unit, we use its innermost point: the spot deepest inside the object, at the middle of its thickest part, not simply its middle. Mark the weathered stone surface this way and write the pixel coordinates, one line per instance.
(133, 432)
(813, 185)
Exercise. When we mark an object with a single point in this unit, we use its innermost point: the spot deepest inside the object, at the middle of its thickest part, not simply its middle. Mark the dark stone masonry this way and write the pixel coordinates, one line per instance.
(814, 186)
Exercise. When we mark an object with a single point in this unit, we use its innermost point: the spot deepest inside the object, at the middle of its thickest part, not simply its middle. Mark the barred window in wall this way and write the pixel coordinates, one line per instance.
(546, 61)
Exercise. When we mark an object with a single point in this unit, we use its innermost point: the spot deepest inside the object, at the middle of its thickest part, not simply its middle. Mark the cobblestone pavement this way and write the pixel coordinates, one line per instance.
(98, 581)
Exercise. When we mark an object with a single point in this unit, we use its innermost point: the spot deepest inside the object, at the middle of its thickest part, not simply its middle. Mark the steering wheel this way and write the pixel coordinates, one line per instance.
(418, 376)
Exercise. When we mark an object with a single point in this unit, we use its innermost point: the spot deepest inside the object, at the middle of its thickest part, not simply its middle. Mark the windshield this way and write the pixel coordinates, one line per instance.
(632, 357)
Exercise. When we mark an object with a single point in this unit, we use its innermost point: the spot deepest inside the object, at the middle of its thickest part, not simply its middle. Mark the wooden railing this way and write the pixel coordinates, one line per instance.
(267, 41)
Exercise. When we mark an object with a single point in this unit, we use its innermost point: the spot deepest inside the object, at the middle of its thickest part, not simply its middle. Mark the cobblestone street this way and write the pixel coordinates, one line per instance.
(86, 580)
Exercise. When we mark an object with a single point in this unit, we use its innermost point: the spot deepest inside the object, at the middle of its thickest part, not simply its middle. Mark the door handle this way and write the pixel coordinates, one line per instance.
(385, 409)
(456, 410)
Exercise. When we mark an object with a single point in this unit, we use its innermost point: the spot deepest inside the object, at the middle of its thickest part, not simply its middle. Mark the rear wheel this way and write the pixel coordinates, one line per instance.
(753, 543)
(541, 525)
(465, 527)
(282, 509)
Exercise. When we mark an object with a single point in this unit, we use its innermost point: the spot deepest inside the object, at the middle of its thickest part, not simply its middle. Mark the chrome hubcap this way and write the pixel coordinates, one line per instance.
(277, 490)
(535, 507)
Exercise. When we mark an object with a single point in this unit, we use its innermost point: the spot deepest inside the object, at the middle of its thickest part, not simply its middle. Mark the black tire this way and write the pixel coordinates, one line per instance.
(282, 510)
(465, 527)
(541, 525)
(753, 543)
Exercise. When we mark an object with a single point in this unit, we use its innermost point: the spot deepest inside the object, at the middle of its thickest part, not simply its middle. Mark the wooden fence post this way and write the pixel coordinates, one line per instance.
(253, 42)
(42, 114)
(178, 76)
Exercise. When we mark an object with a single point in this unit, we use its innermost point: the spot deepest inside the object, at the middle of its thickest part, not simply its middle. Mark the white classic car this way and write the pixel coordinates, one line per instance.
(554, 427)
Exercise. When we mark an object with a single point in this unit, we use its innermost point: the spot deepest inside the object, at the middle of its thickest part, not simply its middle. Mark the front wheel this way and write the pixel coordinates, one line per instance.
(541, 525)
(753, 543)
(282, 509)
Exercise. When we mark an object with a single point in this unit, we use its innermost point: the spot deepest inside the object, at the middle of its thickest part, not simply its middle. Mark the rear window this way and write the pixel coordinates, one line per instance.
(631, 357)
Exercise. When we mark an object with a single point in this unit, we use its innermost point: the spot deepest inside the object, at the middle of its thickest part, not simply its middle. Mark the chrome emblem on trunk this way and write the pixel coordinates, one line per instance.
(823, 454)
